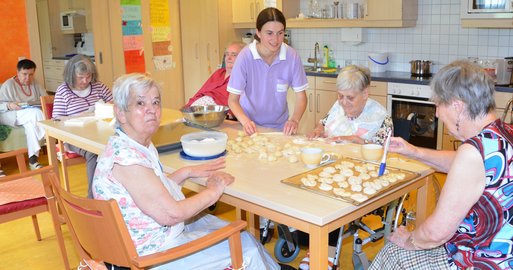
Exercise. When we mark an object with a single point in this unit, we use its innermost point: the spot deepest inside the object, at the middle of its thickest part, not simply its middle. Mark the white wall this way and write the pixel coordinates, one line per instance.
(437, 36)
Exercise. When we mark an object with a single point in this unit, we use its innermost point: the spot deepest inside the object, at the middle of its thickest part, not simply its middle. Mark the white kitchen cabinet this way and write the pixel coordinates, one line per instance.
(245, 12)
(204, 38)
(321, 94)
(501, 101)
(53, 72)
(378, 91)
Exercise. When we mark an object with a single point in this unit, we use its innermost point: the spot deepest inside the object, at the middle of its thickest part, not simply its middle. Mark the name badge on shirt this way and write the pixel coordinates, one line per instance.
(282, 86)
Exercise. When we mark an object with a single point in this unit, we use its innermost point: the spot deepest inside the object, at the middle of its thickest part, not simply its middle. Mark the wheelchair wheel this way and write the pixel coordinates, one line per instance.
(283, 253)
(212, 209)
(405, 211)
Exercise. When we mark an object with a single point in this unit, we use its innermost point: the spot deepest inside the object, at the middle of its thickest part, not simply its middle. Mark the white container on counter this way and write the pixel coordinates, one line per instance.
(378, 62)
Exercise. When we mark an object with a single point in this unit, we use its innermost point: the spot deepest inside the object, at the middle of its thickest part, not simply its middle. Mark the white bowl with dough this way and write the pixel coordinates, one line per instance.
(204, 144)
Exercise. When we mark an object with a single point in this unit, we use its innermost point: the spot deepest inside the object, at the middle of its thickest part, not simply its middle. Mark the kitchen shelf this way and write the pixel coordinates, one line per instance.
(347, 23)
(487, 23)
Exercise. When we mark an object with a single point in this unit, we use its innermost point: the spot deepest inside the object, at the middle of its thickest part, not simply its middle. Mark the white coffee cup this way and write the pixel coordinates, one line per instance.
(372, 152)
(313, 157)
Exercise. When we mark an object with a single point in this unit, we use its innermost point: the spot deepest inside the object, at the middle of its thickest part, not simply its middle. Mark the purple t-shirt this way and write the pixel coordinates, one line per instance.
(263, 88)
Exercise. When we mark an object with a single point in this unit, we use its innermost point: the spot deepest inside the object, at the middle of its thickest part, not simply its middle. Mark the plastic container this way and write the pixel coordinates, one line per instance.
(378, 62)
(204, 144)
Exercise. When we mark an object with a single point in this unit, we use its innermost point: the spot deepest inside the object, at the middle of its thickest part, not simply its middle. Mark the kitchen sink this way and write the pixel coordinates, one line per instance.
(321, 70)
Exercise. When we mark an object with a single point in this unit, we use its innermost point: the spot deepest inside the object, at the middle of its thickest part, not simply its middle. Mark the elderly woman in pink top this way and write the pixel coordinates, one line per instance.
(262, 75)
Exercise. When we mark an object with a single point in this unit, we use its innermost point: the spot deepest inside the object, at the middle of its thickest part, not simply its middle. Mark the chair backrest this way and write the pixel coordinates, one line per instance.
(97, 228)
(47, 106)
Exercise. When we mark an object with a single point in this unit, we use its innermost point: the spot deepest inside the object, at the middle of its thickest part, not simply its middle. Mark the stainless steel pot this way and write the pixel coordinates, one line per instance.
(420, 67)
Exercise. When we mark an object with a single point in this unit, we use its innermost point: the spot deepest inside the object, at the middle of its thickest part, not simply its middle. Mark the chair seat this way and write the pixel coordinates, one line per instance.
(21, 205)
(21, 190)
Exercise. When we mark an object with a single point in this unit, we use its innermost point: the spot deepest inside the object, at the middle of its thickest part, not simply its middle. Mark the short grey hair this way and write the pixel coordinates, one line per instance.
(133, 82)
(79, 64)
(467, 82)
(353, 77)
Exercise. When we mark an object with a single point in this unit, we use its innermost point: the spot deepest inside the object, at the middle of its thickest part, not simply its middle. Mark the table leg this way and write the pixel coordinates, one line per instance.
(422, 201)
(52, 154)
(254, 225)
(318, 248)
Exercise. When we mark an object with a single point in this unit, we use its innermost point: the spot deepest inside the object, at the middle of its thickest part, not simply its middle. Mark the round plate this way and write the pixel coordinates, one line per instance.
(185, 156)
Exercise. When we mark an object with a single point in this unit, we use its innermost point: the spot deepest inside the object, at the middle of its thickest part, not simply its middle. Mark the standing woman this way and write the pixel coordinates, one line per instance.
(76, 95)
(261, 76)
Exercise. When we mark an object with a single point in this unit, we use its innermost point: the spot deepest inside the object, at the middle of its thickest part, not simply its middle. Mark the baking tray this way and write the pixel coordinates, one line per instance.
(295, 181)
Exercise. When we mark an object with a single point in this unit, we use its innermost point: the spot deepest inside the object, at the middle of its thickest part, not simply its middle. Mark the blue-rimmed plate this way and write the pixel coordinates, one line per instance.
(187, 157)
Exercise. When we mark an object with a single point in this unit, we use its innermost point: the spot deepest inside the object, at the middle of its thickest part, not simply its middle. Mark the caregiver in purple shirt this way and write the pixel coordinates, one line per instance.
(261, 76)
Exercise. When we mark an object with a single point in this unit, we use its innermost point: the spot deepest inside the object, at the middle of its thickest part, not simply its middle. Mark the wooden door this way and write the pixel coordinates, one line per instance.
(191, 43)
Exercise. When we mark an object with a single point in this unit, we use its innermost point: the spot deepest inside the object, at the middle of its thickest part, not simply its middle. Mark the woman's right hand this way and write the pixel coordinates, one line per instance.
(399, 145)
(219, 180)
(249, 127)
(316, 133)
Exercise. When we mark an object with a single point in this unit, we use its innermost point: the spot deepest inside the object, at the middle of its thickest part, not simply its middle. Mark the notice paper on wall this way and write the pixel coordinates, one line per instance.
(161, 35)
(133, 45)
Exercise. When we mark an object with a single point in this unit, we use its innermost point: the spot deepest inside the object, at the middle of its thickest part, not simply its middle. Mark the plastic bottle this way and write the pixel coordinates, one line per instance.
(326, 56)
(331, 61)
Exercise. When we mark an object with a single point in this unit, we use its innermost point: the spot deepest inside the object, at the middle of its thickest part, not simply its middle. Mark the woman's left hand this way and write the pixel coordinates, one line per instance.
(206, 169)
(290, 127)
(351, 139)
(401, 237)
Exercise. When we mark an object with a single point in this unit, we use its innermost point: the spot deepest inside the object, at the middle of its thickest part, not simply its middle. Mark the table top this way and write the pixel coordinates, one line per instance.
(256, 181)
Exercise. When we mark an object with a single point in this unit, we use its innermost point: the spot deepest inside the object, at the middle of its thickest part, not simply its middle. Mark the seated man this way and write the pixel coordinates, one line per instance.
(17, 95)
(213, 91)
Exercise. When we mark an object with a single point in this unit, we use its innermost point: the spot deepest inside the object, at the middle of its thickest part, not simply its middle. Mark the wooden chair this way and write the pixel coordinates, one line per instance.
(24, 195)
(66, 158)
(99, 234)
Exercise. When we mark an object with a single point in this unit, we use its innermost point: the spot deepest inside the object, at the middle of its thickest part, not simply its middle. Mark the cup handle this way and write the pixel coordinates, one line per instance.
(325, 158)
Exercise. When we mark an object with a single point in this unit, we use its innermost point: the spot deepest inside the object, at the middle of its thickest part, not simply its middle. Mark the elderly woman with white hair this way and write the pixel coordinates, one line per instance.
(354, 117)
(156, 212)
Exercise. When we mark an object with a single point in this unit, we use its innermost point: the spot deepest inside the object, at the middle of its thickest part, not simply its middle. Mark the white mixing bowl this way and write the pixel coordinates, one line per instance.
(204, 144)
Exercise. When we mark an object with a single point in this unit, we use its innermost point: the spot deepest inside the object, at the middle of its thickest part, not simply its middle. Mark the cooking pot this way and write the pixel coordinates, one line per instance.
(420, 67)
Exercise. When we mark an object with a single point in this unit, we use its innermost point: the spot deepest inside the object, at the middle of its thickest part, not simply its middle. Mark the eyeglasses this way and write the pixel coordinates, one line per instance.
(234, 54)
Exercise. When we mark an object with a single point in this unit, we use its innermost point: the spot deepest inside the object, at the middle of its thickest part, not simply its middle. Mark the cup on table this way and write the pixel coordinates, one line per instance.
(313, 157)
(372, 152)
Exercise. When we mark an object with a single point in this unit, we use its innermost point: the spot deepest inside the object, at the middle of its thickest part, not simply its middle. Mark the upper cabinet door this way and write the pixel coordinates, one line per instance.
(244, 11)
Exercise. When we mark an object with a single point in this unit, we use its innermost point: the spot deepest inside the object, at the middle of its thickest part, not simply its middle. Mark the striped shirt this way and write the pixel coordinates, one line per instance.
(67, 103)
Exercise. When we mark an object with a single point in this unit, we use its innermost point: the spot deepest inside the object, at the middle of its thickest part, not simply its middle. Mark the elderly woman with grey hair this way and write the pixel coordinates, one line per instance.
(354, 117)
(470, 227)
(78, 94)
(159, 216)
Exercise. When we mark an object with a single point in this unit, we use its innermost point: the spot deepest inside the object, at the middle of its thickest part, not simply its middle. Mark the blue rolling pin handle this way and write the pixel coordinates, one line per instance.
(382, 167)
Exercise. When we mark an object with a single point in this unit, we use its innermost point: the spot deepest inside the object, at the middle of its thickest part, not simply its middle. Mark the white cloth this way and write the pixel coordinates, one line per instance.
(28, 118)
(217, 257)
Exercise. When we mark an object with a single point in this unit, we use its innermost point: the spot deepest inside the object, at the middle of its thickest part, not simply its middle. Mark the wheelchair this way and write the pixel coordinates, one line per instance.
(400, 212)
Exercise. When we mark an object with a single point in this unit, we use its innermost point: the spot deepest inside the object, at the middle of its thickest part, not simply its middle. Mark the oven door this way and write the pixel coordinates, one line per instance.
(415, 121)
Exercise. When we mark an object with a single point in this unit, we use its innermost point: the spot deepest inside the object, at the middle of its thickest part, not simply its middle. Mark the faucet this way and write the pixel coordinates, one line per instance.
(315, 60)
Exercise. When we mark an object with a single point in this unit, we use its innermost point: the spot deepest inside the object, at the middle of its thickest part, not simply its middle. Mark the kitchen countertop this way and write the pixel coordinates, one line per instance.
(68, 57)
(400, 77)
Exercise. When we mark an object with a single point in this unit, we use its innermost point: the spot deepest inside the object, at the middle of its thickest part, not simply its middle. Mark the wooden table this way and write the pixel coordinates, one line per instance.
(258, 189)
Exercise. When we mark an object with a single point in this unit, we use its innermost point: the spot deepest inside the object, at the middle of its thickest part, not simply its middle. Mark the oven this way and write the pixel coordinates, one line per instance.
(414, 115)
